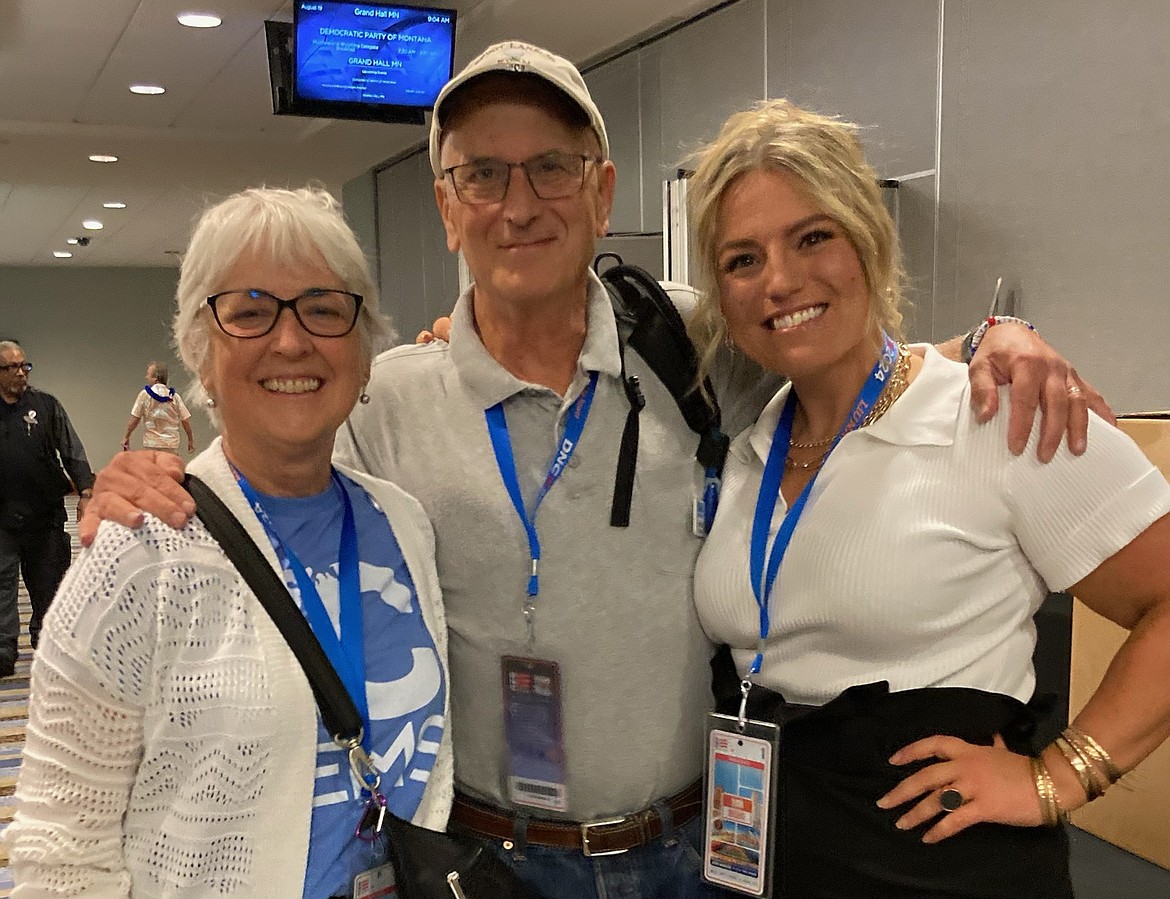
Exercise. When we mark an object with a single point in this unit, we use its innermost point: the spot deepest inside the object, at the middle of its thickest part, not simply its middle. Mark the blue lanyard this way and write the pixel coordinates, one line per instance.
(770, 489)
(502, 446)
(347, 654)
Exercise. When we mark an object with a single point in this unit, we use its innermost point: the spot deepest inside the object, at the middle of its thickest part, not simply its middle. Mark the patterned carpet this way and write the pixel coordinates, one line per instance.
(14, 717)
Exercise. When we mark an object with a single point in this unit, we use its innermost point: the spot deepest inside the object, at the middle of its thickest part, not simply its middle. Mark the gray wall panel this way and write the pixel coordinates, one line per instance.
(874, 63)
(705, 72)
(419, 279)
(615, 91)
(916, 228)
(1055, 144)
(636, 249)
(650, 164)
(357, 199)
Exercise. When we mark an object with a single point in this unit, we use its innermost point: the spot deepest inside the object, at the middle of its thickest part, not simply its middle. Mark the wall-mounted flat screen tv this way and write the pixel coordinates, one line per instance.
(373, 61)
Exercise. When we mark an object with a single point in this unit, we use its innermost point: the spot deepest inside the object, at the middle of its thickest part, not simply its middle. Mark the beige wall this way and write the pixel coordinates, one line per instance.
(90, 332)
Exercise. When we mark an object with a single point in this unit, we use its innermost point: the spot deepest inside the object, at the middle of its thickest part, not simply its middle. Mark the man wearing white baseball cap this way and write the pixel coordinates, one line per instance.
(517, 57)
(579, 671)
(585, 775)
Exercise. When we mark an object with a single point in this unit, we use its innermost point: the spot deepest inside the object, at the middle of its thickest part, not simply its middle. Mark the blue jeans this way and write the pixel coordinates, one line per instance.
(668, 868)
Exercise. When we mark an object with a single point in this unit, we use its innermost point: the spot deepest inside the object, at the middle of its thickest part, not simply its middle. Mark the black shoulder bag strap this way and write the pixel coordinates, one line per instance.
(649, 322)
(427, 864)
(341, 717)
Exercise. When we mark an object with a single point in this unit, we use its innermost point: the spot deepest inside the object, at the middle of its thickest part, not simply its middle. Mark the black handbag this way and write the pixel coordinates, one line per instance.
(427, 864)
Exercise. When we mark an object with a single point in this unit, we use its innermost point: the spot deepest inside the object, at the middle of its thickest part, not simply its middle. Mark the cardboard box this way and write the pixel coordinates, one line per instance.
(1135, 813)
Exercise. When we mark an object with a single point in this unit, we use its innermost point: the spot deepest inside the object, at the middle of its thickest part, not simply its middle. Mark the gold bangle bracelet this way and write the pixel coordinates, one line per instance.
(1094, 751)
(1046, 790)
(1090, 780)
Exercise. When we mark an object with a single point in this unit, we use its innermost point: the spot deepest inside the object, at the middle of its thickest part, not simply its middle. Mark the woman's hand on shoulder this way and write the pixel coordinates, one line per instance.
(994, 784)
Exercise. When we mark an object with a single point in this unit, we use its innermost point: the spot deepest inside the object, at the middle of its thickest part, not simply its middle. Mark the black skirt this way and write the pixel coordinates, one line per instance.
(833, 841)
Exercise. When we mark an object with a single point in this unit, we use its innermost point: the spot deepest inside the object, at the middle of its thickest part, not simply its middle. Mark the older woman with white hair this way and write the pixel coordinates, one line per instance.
(174, 745)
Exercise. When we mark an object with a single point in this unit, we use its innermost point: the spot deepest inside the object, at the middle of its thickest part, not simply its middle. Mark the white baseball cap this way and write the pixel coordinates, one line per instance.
(522, 58)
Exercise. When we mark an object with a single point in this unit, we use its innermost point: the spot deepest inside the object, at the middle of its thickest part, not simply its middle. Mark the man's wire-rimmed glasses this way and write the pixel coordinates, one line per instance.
(553, 176)
(253, 313)
(25, 367)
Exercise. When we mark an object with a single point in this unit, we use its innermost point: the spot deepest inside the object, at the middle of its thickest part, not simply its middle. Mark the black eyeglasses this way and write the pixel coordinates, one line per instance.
(25, 367)
(253, 313)
(553, 176)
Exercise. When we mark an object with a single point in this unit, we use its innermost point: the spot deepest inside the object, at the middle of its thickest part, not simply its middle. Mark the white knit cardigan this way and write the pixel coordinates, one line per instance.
(172, 736)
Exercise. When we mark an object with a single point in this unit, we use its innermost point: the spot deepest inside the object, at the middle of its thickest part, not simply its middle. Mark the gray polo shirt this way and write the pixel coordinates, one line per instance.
(615, 608)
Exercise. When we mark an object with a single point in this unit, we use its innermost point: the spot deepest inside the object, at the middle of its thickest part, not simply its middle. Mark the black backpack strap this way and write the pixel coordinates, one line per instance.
(339, 714)
(649, 322)
(623, 484)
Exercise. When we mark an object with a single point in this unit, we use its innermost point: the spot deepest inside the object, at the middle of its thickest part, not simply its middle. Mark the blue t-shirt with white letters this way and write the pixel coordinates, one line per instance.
(405, 688)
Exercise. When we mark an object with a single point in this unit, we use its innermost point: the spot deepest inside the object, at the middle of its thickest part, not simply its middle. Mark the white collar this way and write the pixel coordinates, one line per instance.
(929, 419)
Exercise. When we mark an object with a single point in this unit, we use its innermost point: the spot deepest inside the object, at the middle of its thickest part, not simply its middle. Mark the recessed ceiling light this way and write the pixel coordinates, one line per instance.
(114, 205)
(92, 225)
(149, 89)
(200, 20)
(72, 241)
(61, 254)
(102, 157)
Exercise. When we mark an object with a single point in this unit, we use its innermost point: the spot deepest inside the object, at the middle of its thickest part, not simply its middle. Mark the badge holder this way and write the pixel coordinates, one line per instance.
(533, 725)
(740, 801)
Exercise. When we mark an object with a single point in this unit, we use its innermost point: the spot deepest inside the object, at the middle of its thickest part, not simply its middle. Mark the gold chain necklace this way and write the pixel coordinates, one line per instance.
(813, 443)
(893, 390)
(889, 395)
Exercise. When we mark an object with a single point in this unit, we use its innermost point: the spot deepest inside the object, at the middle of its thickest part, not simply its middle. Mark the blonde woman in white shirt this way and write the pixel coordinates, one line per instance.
(915, 549)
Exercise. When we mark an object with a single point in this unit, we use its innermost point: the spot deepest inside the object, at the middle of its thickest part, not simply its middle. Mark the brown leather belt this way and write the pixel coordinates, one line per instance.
(591, 837)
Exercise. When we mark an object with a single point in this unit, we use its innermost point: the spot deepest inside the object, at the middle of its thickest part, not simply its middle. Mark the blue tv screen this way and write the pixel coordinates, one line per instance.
(360, 60)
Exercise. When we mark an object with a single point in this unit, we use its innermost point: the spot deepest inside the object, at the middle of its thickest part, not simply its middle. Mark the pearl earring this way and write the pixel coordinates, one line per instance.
(211, 402)
(364, 399)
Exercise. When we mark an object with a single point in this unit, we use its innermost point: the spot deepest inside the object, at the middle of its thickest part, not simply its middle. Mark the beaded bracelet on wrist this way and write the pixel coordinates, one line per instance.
(990, 322)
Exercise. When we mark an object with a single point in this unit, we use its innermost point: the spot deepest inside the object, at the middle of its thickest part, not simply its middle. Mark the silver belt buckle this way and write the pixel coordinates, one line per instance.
(585, 837)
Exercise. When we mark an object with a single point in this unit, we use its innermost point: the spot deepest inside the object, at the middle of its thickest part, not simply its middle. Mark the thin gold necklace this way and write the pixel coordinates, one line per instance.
(792, 465)
(893, 390)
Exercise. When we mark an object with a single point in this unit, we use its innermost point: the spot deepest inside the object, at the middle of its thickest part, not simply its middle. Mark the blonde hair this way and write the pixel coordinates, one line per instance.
(825, 154)
(285, 225)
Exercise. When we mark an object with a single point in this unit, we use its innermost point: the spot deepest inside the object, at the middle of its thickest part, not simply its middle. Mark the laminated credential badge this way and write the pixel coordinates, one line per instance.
(740, 814)
(533, 725)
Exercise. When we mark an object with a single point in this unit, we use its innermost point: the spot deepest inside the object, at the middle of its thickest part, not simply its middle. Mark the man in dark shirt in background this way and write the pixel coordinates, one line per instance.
(40, 455)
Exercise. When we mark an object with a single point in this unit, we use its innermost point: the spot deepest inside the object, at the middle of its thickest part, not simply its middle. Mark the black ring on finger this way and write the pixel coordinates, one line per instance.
(950, 799)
